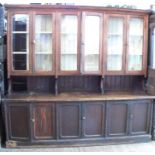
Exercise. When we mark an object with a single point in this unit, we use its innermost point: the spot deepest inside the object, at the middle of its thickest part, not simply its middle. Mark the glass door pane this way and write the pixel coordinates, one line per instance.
(69, 30)
(20, 42)
(43, 43)
(91, 43)
(115, 44)
(135, 44)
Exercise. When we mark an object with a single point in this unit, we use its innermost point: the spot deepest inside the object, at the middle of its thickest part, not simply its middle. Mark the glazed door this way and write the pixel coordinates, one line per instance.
(93, 119)
(18, 117)
(91, 43)
(137, 46)
(69, 120)
(19, 43)
(115, 49)
(68, 47)
(44, 43)
(43, 120)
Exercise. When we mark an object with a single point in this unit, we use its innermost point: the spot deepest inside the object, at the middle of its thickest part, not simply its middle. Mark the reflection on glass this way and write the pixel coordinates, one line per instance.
(20, 22)
(115, 44)
(43, 62)
(69, 43)
(135, 62)
(135, 44)
(19, 61)
(20, 42)
(43, 23)
(91, 43)
(68, 62)
(43, 42)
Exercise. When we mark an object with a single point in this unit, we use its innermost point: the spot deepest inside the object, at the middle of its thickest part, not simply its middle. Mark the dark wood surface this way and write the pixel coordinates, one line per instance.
(30, 97)
(69, 120)
(18, 118)
(94, 119)
(76, 122)
(117, 118)
(43, 121)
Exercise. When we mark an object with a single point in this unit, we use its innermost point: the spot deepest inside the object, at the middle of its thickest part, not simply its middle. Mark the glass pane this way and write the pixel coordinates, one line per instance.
(68, 62)
(43, 62)
(135, 44)
(115, 44)
(114, 62)
(135, 62)
(43, 23)
(69, 30)
(20, 42)
(19, 61)
(91, 43)
(43, 43)
(20, 22)
(91, 62)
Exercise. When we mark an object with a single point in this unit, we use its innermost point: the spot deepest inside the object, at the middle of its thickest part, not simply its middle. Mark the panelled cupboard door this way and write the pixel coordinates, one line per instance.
(91, 45)
(69, 120)
(18, 122)
(69, 45)
(43, 121)
(117, 118)
(136, 56)
(140, 117)
(115, 44)
(93, 119)
(19, 54)
(44, 43)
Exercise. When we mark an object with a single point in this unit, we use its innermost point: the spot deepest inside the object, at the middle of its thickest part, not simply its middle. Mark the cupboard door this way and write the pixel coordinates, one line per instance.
(69, 120)
(135, 44)
(44, 121)
(43, 43)
(94, 119)
(69, 48)
(117, 118)
(19, 122)
(20, 51)
(140, 117)
(91, 42)
(115, 44)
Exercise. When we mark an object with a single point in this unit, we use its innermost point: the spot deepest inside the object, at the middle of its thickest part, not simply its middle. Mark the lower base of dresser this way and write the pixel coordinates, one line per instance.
(80, 142)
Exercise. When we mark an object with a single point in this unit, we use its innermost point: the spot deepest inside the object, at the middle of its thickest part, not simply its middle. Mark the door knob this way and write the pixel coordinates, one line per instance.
(33, 120)
(83, 118)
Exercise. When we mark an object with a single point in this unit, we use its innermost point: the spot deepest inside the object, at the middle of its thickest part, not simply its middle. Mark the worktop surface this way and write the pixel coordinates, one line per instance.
(78, 96)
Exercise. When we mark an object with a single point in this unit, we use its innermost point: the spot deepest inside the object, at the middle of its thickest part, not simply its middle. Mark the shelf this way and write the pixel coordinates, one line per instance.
(20, 32)
(43, 53)
(43, 32)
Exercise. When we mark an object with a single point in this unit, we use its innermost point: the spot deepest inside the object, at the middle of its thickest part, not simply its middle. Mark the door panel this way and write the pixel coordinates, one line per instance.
(19, 121)
(69, 120)
(140, 117)
(94, 119)
(44, 121)
(117, 119)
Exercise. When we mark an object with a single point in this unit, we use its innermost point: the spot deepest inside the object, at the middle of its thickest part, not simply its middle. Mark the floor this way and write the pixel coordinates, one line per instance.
(137, 147)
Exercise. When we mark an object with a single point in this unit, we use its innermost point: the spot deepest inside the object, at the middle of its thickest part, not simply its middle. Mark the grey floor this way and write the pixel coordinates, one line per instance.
(137, 147)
